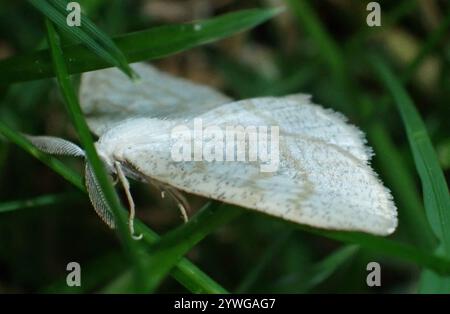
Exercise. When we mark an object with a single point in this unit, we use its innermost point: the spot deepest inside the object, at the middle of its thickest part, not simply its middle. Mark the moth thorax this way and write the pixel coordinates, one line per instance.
(106, 156)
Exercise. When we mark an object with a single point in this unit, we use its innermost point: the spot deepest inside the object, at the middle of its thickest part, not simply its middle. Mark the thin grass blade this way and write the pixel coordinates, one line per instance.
(165, 253)
(434, 186)
(74, 110)
(88, 34)
(324, 269)
(189, 275)
(144, 45)
(43, 200)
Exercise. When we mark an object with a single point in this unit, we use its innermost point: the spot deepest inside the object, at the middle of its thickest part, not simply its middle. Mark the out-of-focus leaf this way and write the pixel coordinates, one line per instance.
(87, 33)
(139, 46)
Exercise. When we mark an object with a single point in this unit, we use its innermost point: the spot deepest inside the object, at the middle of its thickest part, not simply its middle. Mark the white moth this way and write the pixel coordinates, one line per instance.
(323, 178)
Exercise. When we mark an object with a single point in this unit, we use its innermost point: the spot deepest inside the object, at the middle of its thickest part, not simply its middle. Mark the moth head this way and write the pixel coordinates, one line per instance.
(107, 160)
(58, 146)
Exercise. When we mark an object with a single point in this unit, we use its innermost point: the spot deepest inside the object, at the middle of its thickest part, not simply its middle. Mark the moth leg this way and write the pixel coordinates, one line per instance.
(126, 186)
(115, 180)
(182, 203)
(183, 212)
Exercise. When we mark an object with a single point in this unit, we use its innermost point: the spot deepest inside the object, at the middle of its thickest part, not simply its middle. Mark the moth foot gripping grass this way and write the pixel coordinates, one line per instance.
(323, 177)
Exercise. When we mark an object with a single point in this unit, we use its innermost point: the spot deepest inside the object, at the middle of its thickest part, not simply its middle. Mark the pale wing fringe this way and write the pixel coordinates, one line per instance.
(55, 146)
(97, 197)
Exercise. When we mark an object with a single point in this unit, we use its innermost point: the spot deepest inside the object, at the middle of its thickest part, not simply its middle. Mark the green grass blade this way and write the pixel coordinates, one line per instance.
(88, 34)
(95, 274)
(74, 110)
(434, 186)
(182, 239)
(139, 46)
(252, 276)
(202, 284)
(168, 250)
(53, 163)
(185, 272)
(323, 270)
(92, 30)
(43, 200)
(173, 246)
(387, 247)
(413, 220)
(332, 55)
(432, 282)
(375, 244)
(182, 272)
(120, 284)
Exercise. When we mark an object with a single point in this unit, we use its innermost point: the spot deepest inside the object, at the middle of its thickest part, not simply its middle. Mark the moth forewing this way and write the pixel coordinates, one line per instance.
(319, 183)
(108, 97)
(322, 176)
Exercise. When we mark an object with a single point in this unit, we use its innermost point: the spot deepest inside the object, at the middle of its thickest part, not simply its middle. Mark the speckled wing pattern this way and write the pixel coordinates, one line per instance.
(324, 178)
(109, 97)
